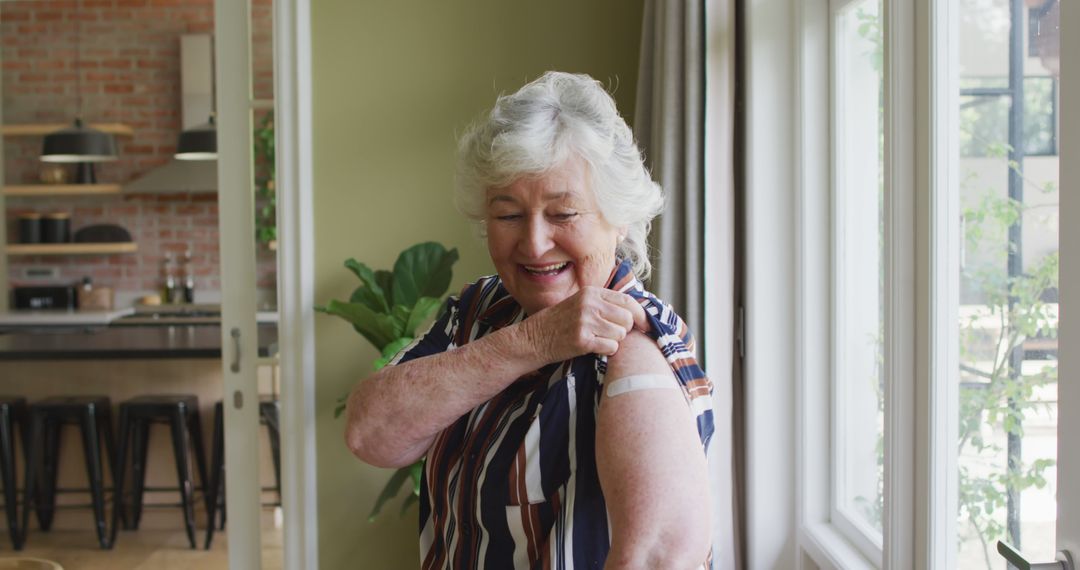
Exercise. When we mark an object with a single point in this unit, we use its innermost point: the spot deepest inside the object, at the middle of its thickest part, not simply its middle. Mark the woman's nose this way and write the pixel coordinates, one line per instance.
(537, 239)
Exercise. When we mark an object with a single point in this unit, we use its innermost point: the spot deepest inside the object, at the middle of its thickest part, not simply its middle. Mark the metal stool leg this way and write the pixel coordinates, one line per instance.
(7, 470)
(183, 471)
(138, 469)
(94, 473)
(35, 453)
(195, 429)
(46, 507)
(271, 413)
(217, 461)
(120, 515)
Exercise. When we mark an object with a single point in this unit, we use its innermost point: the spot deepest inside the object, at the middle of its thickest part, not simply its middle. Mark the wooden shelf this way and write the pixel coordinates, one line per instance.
(71, 248)
(40, 129)
(61, 189)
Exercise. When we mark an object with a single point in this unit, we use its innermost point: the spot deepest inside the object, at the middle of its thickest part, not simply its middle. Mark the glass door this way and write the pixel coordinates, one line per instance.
(1005, 107)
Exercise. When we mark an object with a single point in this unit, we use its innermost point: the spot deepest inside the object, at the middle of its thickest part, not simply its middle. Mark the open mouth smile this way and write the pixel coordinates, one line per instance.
(548, 270)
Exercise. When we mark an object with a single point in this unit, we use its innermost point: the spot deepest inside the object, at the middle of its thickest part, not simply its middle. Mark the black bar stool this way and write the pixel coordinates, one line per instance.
(270, 416)
(181, 412)
(92, 415)
(13, 412)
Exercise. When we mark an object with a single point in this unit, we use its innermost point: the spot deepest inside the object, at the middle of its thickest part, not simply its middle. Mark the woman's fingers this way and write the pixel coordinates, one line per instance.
(595, 320)
(641, 320)
(617, 314)
(632, 308)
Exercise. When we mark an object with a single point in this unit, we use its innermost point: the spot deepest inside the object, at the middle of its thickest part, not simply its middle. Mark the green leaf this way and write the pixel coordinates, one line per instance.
(400, 315)
(389, 491)
(378, 328)
(370, 293)
(391, 350)
(423, 270)
(385, 279)
(410, 499)
(416, 471)
(423, 309)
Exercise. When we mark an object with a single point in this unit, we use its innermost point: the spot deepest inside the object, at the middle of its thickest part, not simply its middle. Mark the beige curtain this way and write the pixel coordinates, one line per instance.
(685, 121)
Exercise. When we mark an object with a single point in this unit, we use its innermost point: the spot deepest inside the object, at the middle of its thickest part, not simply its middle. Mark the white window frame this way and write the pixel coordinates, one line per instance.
(824, 536)
(856, 531)
(788, 51)
(826, 544)
(937, 272)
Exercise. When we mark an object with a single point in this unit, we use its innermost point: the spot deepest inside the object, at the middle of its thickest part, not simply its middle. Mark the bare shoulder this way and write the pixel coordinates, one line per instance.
(638, 354)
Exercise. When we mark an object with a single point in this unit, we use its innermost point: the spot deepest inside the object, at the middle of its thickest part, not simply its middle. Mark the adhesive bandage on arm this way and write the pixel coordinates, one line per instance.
(635, 382)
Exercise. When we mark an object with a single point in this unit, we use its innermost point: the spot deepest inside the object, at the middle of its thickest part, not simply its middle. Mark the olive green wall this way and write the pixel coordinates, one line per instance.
(393, 83)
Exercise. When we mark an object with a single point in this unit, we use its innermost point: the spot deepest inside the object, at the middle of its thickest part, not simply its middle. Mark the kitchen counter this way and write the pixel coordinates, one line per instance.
(61, 317)
(131, 342)
(76, 317)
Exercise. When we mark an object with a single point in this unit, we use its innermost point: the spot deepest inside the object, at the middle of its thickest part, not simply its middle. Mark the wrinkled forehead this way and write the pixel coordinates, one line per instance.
(568, 183)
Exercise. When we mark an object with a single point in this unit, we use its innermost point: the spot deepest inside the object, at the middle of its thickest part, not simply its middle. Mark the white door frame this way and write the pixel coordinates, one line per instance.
(239, 331)
(296, 281)
(292, 88)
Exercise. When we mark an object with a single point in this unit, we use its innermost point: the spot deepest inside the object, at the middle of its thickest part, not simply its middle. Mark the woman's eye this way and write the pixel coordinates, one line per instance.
(564, 216)
(508, 217)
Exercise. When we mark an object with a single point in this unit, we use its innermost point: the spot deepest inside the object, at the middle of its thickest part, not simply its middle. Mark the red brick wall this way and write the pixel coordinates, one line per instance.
(122, 59)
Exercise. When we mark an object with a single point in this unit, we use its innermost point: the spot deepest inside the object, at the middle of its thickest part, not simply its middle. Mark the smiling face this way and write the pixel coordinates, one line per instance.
(547, 236)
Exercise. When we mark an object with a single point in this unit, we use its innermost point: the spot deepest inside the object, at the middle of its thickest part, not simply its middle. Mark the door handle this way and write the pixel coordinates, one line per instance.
(1063, 560)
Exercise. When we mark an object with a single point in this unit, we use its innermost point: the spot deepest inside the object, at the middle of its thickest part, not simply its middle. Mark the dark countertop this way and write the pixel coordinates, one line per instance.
(123, 342)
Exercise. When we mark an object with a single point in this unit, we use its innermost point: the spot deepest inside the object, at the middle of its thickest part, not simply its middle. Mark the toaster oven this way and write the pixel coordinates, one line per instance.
(44, 297)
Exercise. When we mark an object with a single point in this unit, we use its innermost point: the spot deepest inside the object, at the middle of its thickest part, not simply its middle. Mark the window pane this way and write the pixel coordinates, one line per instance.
(1008, 279)
(859, 266)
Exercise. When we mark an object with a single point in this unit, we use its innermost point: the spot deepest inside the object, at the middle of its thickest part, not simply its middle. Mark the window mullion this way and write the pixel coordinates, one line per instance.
(900, 417)
(937, 239)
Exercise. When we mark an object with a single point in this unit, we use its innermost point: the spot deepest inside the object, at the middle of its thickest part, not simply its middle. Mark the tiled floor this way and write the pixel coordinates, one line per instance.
(144, 549)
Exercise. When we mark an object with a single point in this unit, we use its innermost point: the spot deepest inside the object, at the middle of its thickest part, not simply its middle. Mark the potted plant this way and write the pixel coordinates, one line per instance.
(386, 309)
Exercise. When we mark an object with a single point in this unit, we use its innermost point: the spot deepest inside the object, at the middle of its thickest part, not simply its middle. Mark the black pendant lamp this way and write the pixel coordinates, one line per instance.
(82, 145)
(78, 143)
(198, 142)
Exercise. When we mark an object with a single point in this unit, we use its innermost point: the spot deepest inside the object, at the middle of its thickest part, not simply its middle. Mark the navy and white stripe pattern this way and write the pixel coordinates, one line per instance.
(513, 483)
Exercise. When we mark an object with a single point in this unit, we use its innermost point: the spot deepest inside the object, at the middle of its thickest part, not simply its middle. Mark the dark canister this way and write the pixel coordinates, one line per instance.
(30, 227)
(56, 227)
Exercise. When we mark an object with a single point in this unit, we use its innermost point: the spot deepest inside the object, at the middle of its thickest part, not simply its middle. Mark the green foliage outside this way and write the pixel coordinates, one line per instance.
(1019, 305)
(265, 175)
(386, 309)
(989, 383)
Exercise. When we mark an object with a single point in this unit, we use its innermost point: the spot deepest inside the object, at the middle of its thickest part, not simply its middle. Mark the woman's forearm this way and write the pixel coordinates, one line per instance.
(395, 413)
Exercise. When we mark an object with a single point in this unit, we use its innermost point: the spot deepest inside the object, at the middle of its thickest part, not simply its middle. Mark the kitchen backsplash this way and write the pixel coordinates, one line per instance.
(121, 58)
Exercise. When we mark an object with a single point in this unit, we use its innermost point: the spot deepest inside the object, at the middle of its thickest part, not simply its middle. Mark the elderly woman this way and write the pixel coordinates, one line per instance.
(559, 406)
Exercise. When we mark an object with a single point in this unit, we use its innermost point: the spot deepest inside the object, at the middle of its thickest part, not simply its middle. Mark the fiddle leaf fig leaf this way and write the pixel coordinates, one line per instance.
(391, 350)
(400, 315)
(423, 270)
(371, 292)
(409, 501)
(390, 490)
(378, 328)
(423, 309)
(385, 280)
(416, 470)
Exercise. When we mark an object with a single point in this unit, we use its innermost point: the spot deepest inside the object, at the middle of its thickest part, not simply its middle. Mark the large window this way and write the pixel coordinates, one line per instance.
(1007, 306)
(942, 281)
(858, 274)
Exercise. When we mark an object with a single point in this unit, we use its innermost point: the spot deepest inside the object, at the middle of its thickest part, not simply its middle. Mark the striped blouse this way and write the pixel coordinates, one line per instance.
(513, 483)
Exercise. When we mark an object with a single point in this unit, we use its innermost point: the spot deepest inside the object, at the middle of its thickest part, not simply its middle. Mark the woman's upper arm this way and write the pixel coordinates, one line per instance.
(652, 467)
